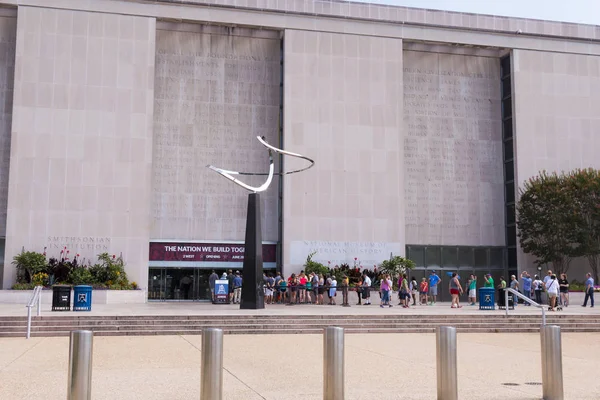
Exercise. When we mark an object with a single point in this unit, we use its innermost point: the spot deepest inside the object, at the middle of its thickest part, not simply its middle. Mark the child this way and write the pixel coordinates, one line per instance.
(424, 289)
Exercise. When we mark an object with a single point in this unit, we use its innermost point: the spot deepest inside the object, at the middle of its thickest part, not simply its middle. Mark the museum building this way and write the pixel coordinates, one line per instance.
(423, 124)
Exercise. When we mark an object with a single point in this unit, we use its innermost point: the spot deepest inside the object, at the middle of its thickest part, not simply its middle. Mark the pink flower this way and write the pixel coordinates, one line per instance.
(77, 254)
(113, 256)
(62, 251)
(355, 258)
(68, 251)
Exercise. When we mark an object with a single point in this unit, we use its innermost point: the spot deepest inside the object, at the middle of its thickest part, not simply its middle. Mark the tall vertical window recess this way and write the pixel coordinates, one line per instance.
(509, 165)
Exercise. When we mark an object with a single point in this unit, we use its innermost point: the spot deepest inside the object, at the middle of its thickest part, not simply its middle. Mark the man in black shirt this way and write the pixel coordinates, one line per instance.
(211, 282)
(230, 277)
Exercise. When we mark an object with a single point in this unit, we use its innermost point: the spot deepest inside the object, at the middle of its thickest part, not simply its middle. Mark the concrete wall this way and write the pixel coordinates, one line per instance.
(343, 108)
(8, 39)
(557, 120)
(453, 189)
(80, 163)
(217, 89)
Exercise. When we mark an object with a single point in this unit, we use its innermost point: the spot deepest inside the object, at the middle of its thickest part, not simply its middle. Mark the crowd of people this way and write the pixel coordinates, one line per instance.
(320, 289)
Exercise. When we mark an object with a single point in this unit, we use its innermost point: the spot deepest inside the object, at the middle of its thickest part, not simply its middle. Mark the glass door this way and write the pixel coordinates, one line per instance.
(156, 284)
(178, 284)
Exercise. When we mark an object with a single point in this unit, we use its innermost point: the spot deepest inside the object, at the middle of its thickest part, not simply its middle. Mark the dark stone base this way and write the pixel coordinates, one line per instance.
(253, 295)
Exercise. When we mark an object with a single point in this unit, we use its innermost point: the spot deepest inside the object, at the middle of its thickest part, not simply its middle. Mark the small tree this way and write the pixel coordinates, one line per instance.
(546, 221)
(584, 188)
(314, 266)
(28, 264)
(396, 266)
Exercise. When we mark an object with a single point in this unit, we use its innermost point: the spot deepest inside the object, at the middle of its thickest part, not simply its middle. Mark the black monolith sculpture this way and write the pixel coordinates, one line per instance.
(253, 295)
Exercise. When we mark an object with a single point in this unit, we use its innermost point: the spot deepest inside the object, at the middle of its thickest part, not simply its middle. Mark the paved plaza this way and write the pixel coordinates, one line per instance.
(281, 367)
(206, 308)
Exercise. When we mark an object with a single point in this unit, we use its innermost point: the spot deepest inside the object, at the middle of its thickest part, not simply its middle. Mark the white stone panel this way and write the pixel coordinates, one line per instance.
(217, 89)
(343, 108)
(81, 155)
(453, 162)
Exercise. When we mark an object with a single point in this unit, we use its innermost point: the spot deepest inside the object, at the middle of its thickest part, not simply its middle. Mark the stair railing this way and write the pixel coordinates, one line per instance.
(526, 299)
(36, 299)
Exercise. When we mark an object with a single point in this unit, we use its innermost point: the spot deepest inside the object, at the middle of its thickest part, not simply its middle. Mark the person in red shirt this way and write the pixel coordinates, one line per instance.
(424, 289)
(302, 281)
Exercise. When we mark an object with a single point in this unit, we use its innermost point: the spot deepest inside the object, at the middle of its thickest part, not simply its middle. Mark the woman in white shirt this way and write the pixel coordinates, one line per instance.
(552, 287)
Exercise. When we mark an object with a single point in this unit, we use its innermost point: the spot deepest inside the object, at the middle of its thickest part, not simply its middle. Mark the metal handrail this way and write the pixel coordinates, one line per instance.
(526, 299)
(36, 298)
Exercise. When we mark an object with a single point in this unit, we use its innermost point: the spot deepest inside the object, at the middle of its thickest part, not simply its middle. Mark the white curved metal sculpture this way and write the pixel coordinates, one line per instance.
(230, 174)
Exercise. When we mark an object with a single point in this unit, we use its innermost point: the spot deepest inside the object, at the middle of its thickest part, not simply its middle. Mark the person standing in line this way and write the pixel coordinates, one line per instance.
(321, 289)
(211, 282)
(546, 279)
(230, 284)
(277, 287)
(366, 289)
(405, 292)
(414, 290)
(344, 285)
(502, 284)
(552, 288)
(472, 290)
(293, 285)
(564, 290)
(526, 286)
(489, 281)
(237, 288)
(514, 284)
(538, 289)
(302, 287)
(332, 290)
(433, 287)
(315, 287)
(424, 288)
(455, 291)
(386, 287)
(589, 290)
(271, 281)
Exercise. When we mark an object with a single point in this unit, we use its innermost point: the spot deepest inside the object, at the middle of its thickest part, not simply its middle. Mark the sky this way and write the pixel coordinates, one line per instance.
(579, 11)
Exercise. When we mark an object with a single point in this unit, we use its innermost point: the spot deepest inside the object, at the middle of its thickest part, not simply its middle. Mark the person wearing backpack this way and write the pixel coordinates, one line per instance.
(552, 287)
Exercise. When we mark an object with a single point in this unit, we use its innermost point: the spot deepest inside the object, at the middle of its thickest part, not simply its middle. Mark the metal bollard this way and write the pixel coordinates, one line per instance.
(447, 377)
(80, 365)
(552, 374)
(211, 370)
(333, 363)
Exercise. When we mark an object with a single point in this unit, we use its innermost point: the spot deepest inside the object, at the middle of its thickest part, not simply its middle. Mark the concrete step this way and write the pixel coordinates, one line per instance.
(291, 331)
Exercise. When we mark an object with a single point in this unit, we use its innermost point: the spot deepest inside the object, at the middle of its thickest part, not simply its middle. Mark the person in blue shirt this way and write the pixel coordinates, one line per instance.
(526, 285)
(433, 282)
(589, 290)
(237, 288)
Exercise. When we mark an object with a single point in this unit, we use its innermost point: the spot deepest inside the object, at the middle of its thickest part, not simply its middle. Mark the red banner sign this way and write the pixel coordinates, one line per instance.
(219, 252)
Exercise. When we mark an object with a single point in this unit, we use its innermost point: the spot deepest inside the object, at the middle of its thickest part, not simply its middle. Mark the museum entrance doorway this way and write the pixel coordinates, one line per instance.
(179, 284)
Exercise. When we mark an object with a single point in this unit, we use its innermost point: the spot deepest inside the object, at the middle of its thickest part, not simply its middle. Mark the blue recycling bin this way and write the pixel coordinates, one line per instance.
(487, 299)
(82, 298)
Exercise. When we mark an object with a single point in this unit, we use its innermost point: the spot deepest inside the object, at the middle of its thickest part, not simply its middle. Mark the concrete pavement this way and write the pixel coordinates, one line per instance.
(378, 366)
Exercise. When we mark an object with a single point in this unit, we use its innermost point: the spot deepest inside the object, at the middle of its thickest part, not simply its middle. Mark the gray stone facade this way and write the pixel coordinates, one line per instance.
(110, 118)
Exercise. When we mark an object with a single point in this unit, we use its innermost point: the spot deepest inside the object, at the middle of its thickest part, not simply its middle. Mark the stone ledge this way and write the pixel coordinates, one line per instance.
(98, 297)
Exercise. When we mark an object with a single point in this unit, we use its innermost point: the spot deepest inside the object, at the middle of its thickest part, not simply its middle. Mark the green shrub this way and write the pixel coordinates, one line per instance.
(28, 264)
(313, 266)
(80, 276)
(23, 286)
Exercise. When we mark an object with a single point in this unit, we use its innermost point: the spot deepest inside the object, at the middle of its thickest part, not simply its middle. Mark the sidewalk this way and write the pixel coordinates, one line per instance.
(206, 308)
(289, 367)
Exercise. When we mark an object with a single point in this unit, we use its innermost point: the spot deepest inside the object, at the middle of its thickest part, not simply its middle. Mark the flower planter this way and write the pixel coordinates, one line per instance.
(99, 297)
